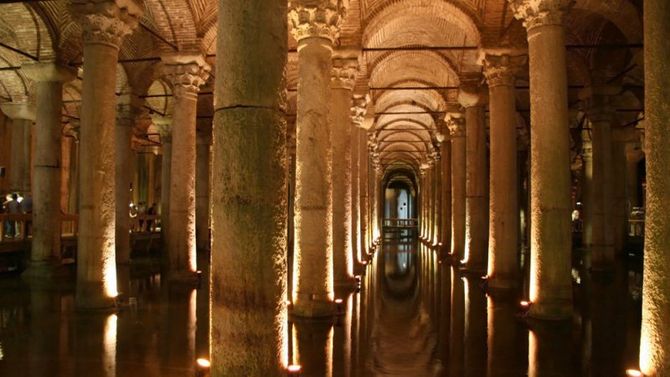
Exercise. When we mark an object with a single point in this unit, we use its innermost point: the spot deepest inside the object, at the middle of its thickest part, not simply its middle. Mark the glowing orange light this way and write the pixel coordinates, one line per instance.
(525, 304)
(338, 301)
(634, 373)
(294, 370)
(203, 363)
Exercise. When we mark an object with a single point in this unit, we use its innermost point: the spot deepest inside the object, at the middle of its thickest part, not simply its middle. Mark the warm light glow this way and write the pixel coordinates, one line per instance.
(109, 345)
(293, 368)
(109, 281)
(203, 363)
(338, 301)
(525, 304)
(634, 373)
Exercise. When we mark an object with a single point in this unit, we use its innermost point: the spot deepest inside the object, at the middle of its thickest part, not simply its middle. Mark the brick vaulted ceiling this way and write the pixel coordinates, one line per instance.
(414, 55)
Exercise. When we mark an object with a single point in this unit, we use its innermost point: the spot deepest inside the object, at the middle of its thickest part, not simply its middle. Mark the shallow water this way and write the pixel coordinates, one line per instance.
(413, 317)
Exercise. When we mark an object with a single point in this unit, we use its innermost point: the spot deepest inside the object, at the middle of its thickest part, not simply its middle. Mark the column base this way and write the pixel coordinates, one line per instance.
(308, 306)
(190, 278)
(555, 311)
(472, 269)
(501, 284)
(44, 271)
(91, 296)
(346, 285)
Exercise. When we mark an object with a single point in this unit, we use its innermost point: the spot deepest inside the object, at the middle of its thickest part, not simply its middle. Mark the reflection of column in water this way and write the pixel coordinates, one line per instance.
(457, 328)
(445, 311)
(503, 340)
(202, 321)
(549, 346)
(356, 334)
(178, 347)
(475, 330)
(109, 346)
(313, 347)
(342, 341)
(608, 326)
(43, 336)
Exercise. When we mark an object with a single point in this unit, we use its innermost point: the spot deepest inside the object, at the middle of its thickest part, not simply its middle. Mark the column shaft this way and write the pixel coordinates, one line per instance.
(363, 174)
(124, 154)
(655, 338)
(47, 177)
(476, 204)
(355, 198)
(202, 193)
(249, 192)
(445, 208)
(457, 196)
(503, 263)
(166, 165)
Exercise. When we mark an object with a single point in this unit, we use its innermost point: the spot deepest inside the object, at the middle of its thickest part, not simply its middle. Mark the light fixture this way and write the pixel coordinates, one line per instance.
(203, 366)
(525, 304)
(634, 373)
(294, 370)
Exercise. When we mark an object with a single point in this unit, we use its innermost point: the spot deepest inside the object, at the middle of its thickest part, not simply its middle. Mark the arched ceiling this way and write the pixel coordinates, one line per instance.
(414, 54)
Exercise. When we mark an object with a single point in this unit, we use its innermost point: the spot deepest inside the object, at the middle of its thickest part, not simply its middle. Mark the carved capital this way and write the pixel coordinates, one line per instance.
(106, 22)
(359, 110)
(469, 93)
(456, 124)
(186, 73)
(500, 70)
(320, 19)
(343, 73)
(540, 12)
(23, 110)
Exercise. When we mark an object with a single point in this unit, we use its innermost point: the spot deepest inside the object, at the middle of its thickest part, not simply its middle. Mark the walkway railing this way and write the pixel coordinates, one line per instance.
(400, 223)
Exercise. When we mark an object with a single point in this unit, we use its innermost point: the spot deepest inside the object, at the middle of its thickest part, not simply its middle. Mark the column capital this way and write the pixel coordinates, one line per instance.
(316, 19)
(106, 22)
(186, 73)
(469, 92)
(456, 124)
(23, 110)
(164, 126)
(359, 110)
(343, 73)
(500, 69)
(540, 12)
(48, 72)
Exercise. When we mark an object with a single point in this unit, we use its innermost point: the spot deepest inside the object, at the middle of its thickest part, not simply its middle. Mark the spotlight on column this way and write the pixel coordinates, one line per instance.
(525, 305)
(202, 367)
(294, 370)
(633, 373)
(339, 307)
(198, 274)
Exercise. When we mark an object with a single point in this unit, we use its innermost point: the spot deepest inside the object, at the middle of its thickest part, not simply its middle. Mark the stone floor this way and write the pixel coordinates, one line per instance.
(414, 317)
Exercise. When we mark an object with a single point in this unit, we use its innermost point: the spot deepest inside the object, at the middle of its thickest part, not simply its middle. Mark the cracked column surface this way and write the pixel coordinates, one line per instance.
(45, 247)
(343, 79)
(550, 268)
(187, 74)
(503, 250)
(249, 191)
(312, 292)
(456, 126)
(655, 338)
(104, 26)
(476, 201)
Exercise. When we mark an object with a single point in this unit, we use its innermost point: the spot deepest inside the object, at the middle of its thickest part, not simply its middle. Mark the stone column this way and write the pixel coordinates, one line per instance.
(655, 338)
(503, 251)
(439, 216)
(45, 248)
(126, 113)
(249, 198)
(22, 115)
(598, 236)
(456, 126)
(186, 73)
(476, 203)
(104, 25)
(359, 173)
(445, 207)
(363, 173)
(313, 291)
(203, 142)
(550, 279)
(343, 79)
(164, 125)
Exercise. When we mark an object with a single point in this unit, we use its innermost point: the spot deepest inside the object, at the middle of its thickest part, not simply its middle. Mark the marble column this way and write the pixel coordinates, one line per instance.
(598, 236)
(445, 207)
(550, 275)
(203, 143)
(45, 247)
(456, 126)
(249, 197)
(126, 113)
(22, 115)
(503, 251)
(360, 156)
(104, 26)
(437, 208)
(313, 268)
(476, 201)
(343, 79)
(164, 125)
(655, 338)
(187, 74)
